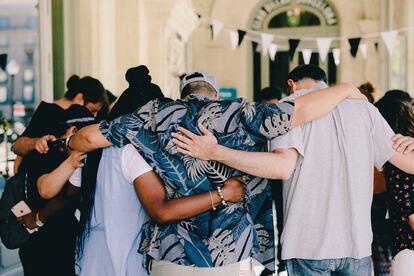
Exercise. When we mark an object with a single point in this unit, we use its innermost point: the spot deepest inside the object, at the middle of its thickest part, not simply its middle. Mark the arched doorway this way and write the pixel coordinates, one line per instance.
(302, 19)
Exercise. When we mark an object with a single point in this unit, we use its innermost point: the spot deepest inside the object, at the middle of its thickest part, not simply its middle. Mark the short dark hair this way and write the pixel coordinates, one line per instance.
(194, 87)
(92, 89)
(307, 71)
(270, 93)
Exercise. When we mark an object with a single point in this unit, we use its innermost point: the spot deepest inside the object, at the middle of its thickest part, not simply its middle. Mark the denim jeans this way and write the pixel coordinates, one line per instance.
(340, 267)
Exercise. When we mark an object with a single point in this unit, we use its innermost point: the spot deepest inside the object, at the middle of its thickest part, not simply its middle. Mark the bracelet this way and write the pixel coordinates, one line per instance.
(212, 201)
(223, 202)
(39, 223)
(245, 179)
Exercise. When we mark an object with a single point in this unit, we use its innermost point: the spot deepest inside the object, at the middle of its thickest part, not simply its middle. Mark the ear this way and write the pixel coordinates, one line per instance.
(78, 99)
(292, 85)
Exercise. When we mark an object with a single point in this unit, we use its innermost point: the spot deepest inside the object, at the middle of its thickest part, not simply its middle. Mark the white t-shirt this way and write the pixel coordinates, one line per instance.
(132, 164)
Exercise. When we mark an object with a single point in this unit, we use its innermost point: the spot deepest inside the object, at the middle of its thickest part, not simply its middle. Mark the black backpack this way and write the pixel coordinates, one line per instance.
(12, 234)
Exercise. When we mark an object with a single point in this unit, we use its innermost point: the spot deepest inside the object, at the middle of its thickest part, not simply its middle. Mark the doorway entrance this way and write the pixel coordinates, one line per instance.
(293, 20)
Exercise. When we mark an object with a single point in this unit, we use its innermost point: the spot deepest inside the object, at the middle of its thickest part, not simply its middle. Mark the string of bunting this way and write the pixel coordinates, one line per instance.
(323, 44)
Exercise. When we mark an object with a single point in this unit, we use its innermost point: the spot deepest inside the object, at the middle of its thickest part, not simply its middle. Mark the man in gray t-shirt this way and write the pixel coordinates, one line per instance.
(328, 167)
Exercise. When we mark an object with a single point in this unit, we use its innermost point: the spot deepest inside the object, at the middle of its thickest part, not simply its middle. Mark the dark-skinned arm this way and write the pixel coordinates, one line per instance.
(153, 197)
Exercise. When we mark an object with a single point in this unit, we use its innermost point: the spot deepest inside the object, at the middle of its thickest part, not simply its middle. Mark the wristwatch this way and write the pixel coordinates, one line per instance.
(39, 223)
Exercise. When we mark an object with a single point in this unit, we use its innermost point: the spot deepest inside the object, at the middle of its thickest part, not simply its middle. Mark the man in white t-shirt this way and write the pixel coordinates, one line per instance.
(328, 165)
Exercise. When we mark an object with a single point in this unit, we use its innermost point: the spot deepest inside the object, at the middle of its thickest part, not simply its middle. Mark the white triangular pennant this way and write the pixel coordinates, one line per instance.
(323, 47)
(234, 39)
(307, 54)
(217, 27)
(389, 40)
(266, 40)
(272, 51)
(337, 55)
(363, 50)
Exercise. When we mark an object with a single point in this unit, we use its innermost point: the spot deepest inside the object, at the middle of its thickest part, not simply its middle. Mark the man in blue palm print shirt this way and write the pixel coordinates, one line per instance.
(233, 232)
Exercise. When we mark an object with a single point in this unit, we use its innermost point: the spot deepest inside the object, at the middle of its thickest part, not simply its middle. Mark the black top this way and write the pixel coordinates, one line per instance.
(47, 119)
(400, 189)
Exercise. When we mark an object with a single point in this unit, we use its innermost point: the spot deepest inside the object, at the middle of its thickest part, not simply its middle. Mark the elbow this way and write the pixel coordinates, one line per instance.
(44, 193)
(286, 174)
(162, 217)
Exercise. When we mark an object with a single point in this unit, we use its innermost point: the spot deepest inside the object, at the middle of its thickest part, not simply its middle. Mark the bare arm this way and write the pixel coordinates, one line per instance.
(52, 207)
(278, 164)
(25, 145)
(152, 195)
(88, 138)
(319, 103)
(50, 184)
(404, 162)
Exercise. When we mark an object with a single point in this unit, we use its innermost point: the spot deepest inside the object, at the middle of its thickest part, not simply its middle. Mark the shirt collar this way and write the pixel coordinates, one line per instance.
(317, 86)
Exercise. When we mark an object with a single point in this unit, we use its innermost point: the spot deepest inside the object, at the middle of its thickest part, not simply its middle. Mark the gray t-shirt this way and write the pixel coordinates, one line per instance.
(327, 201)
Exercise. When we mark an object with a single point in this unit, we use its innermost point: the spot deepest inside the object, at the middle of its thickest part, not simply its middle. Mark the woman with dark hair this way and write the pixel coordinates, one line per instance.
(400, 188)
(51, 250)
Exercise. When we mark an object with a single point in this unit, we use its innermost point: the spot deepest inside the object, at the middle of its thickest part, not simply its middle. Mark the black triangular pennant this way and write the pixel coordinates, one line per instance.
(212, 32)
(293, 44)
(254, 46)
(354, 43)
(3, 61)
(376, 44)
(199, 16)
(241, 36)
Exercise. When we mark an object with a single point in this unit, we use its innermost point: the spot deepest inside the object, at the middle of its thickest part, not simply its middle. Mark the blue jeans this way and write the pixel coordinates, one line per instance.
(339, 267)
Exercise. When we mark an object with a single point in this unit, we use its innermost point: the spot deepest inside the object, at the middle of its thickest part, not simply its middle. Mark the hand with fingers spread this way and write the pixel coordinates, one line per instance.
(403, 144)
(234, 189)
(41, 143)
(28, 221)
(201, 147)
(76, 159)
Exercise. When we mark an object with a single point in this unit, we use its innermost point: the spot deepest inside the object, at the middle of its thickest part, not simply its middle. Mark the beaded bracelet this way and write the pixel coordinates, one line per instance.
(223, 202)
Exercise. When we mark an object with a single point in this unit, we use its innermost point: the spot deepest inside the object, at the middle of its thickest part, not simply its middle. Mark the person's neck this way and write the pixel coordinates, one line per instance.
(64, 103)
(306, 84)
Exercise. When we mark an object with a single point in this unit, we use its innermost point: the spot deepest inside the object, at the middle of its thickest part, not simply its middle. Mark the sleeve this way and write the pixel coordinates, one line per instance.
(133, 165)
(76, 178)
(382, 140)
(267, 120)
(121, 130)
(293, 139)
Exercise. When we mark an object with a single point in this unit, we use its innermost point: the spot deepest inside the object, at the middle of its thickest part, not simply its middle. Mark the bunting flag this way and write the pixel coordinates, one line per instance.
(3, 61)
(216, 27)
(323, 47)
(199, 16)
(376, 44)
(307, 54)
(241, 34)
(354, 43)
(254, 46)
(336, 55)
(234, 39)
(272, 51)
(293, 44)
(389, 40)
(266, 40)
(363, 48)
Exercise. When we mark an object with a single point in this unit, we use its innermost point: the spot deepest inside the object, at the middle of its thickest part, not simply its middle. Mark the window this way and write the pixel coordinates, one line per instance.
(294, 18)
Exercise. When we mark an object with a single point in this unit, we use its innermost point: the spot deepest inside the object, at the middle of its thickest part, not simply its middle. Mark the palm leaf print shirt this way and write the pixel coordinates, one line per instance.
(231, 233)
